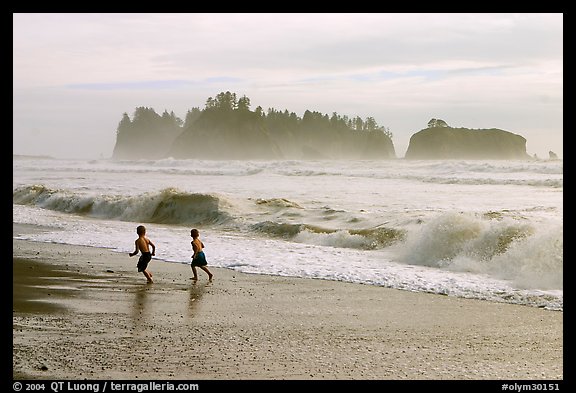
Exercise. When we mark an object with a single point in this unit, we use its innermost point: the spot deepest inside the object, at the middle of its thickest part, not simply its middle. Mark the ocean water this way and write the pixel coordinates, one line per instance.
(490, 230)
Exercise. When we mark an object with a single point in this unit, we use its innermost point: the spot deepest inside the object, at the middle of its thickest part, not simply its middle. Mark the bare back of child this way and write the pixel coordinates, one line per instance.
(143, 245)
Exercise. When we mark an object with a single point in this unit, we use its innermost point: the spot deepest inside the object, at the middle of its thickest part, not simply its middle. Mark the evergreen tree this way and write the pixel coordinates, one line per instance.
(244, 104)
(124, 125)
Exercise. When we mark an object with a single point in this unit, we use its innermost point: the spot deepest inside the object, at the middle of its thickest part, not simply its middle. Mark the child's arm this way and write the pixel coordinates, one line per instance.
(153, 246)
(194, 248)
(135, 250)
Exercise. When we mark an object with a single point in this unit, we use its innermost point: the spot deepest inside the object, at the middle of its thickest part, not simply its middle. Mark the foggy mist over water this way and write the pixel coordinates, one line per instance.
(472, 70)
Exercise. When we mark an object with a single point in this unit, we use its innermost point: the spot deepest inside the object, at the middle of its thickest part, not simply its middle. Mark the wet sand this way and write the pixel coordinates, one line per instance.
(86, 313)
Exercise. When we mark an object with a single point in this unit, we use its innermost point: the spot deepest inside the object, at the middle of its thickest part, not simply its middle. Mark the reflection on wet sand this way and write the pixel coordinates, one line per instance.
(196, 291)
(140, 304)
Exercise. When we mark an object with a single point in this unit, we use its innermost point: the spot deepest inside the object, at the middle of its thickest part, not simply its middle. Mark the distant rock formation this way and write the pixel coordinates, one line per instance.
(552, 155)
(440, 141)
(148, 136)
(226, 129)
(243, 135)
(233, 135)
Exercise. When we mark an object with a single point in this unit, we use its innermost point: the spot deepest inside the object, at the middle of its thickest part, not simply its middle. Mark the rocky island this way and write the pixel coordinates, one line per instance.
(439, 141)
(227, 129)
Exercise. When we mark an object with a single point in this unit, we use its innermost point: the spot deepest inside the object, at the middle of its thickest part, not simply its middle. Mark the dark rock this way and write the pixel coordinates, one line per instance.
(463, 143)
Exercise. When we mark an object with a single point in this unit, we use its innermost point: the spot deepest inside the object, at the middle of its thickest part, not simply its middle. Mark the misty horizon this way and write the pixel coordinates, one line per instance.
(472, 70)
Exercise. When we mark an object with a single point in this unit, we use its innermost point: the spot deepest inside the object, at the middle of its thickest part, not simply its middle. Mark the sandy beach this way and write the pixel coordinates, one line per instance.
(86, 313)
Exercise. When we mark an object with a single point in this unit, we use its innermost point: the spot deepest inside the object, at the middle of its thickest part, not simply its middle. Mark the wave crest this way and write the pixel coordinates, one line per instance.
(365, 239)
(168, 206)
(503, 248)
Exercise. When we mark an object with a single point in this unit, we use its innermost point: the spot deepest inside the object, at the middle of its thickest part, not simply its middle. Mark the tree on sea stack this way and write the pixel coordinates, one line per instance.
(433, 123)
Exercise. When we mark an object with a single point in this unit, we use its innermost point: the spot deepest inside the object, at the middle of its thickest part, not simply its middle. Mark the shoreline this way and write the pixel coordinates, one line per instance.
(85, 313)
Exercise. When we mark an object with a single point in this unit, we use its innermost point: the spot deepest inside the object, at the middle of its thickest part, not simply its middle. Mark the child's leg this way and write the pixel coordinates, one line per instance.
(194, 272)
(207, 271)
(148, 276)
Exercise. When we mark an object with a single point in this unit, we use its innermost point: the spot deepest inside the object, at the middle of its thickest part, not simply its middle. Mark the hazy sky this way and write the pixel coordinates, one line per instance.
(74, 75)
